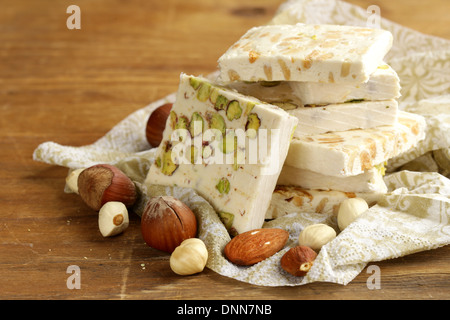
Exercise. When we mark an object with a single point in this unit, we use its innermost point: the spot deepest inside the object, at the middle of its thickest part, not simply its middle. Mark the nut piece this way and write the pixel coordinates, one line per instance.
(316, 235)
(221, 103)
(223, 186)
(227, 220)
(113, 218)
(196, 125)
(349, 210)
(298, 260)
(72, 180)
(189, 257)
(103, 183)
(204, 91)
(234, 110)
(256, 245)
(252, 125)
(166, 222)
(156, 124)
(216, 121)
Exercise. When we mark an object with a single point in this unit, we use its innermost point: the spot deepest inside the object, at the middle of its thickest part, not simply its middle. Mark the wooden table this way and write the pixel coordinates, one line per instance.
(72, 86)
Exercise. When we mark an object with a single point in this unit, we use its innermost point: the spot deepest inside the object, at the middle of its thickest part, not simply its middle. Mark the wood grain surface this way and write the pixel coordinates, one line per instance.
(72, 86)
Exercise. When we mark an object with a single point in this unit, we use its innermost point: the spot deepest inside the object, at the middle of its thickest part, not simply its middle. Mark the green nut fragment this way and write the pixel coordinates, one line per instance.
(213, 95)
(195, 83)
(354, 101)
(249, 107)
(269, 83)
(193, 154)
(158, 162)
(204, 92)
(168, 167)
(207, 151)
(227, 219)
(381, 168)
(252, 125)
(182, 123)
(285, 105)
(223, 186)
(234, 110)
(196, 121)
(229, 142)
(173, 119)
(235, 161)
(238, 159)
(216, 121)
(221, 102)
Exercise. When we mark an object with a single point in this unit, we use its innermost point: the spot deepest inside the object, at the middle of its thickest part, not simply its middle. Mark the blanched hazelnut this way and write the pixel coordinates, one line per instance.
(113, 218)
(189, 257)
(349, 210)
(317, 235)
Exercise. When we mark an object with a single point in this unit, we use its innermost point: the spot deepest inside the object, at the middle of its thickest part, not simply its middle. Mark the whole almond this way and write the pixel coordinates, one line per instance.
(298, 260)
(253, 246)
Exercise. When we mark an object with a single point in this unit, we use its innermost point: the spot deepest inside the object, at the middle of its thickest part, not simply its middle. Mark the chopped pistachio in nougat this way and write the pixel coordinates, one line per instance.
(383, 84)
(351, 152)
(305, 52)
(229, 172)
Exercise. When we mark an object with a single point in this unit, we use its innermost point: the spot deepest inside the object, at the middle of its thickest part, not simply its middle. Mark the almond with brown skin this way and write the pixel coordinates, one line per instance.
(298, 260)
(253, 246)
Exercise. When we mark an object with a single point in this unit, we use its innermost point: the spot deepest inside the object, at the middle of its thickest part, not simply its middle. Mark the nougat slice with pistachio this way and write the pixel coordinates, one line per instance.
(228, 147)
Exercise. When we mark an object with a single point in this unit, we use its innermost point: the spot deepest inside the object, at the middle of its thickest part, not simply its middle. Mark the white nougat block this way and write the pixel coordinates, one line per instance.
(369, 181)
(305, 52)
(231, 154)
(290, 199)
(348, 153)
(383, 84)
(344, 116)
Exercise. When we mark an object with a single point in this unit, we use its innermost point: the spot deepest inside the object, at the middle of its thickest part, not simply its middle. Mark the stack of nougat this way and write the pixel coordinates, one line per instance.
(333, 79)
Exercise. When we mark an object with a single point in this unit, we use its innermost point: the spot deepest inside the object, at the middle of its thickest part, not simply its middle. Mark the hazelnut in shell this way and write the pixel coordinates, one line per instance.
(103, 183)
(166, 222)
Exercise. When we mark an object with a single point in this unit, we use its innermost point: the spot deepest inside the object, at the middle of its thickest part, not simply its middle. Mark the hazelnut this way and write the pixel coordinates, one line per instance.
(103, 183)
(316, 235)
(298, 260)
(112, 218)
(156, 124)
(72, 180)
(349, 210)
(189, 257)
(166, 222)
